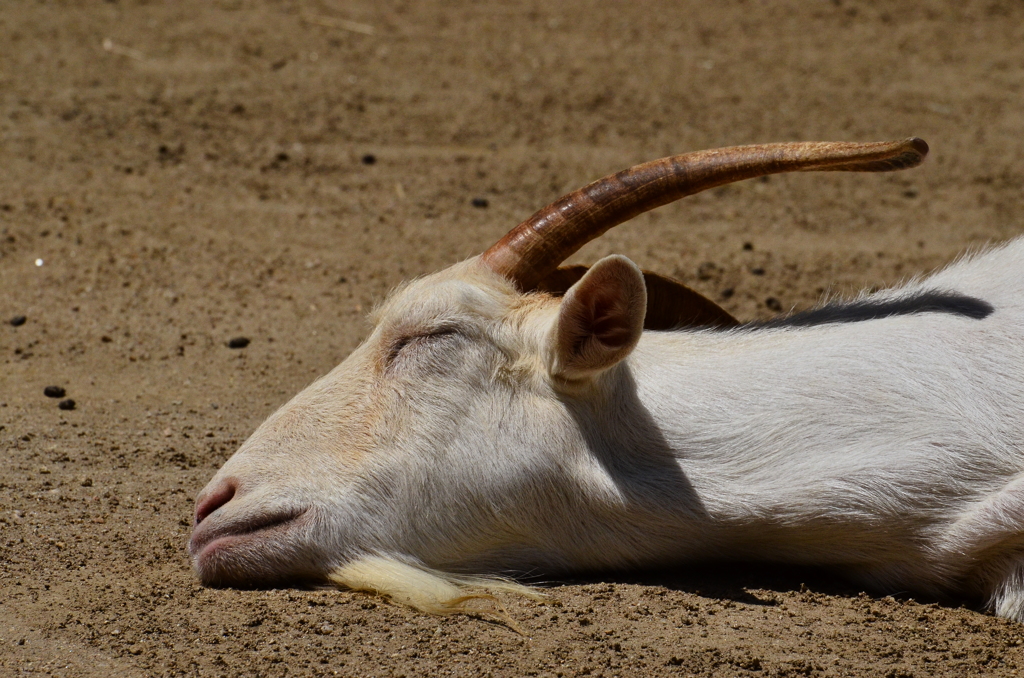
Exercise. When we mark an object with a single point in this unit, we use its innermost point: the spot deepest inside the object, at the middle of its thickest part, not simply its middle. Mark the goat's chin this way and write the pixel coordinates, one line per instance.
(236, 562)
(268, 557)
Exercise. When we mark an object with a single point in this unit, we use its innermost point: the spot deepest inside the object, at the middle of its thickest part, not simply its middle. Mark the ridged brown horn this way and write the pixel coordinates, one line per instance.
(537, 246)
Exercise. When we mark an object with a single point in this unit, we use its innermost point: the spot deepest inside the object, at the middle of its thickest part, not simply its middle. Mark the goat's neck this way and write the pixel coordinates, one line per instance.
(727, 439)
(711, 393)
(761, 414)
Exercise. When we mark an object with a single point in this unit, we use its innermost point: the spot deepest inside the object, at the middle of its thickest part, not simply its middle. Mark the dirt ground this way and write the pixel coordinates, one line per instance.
(176, 174)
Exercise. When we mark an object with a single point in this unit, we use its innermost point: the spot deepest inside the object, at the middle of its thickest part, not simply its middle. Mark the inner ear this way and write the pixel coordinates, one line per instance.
(600, 319)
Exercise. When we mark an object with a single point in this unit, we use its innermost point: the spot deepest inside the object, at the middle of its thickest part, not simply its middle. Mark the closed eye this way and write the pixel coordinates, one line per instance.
(414, 341)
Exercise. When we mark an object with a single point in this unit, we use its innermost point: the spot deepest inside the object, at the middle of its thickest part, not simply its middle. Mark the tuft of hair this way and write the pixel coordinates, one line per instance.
(430, 591)
(1007, 597)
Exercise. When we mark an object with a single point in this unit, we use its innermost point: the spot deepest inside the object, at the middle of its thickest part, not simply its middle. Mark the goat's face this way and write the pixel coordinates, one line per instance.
(402, 446)
(447, 436)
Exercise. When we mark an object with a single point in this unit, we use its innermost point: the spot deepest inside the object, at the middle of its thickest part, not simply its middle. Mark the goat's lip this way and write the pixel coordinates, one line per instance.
(208, 533)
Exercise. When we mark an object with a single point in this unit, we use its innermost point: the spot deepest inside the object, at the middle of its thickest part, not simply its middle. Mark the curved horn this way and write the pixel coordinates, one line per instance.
(537, 246)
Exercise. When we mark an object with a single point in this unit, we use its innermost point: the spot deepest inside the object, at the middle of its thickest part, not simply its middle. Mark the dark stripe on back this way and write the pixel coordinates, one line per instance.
(871, 309)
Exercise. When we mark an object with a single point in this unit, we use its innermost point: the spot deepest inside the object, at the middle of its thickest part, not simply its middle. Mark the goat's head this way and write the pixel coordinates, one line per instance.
(445, 438)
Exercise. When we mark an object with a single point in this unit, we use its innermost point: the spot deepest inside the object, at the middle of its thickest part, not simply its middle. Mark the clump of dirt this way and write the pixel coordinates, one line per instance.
(176, 176)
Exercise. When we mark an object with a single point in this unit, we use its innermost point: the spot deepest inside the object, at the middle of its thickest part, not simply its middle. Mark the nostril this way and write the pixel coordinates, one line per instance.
(217, 498)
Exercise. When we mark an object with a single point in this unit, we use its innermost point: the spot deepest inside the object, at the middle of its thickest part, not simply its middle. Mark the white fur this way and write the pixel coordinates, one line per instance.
(889, 449)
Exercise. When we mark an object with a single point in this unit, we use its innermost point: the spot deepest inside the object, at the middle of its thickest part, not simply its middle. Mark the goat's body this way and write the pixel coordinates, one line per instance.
(878, 447)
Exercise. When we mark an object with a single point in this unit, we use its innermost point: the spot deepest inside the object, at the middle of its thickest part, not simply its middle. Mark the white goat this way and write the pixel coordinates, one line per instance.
(505, 417)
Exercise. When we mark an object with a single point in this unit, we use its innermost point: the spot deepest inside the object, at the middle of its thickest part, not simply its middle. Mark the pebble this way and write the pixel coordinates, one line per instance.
(68, 404)
(479, 202)
(707, 270)
(773, 304)
(369, 159)
(53, 392)
(18, 320)
(238, 342)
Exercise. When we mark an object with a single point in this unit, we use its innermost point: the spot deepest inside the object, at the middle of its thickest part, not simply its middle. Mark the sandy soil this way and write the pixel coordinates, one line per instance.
(189, 172)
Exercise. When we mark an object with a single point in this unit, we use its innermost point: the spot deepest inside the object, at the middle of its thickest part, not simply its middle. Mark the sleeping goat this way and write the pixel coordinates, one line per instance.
(506, 415)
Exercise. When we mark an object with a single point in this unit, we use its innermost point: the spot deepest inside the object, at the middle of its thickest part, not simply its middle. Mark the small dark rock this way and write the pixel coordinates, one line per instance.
(479, 202)
(282, 157)
(757, 270)
(773, 304)
(728, 292)
(369, 159)
(53, 392)
(18, 320)
(707, 270)
(238, 342)
(748, 246)
(68, 404)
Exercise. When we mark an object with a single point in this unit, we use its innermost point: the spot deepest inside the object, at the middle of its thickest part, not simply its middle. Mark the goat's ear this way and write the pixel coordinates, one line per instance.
(599, 321)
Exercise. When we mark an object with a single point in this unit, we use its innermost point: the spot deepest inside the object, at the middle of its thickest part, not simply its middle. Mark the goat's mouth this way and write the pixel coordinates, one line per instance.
(246, 552)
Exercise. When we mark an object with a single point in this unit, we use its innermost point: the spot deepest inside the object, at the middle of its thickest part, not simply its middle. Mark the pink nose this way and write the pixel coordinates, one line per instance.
(217, 497)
